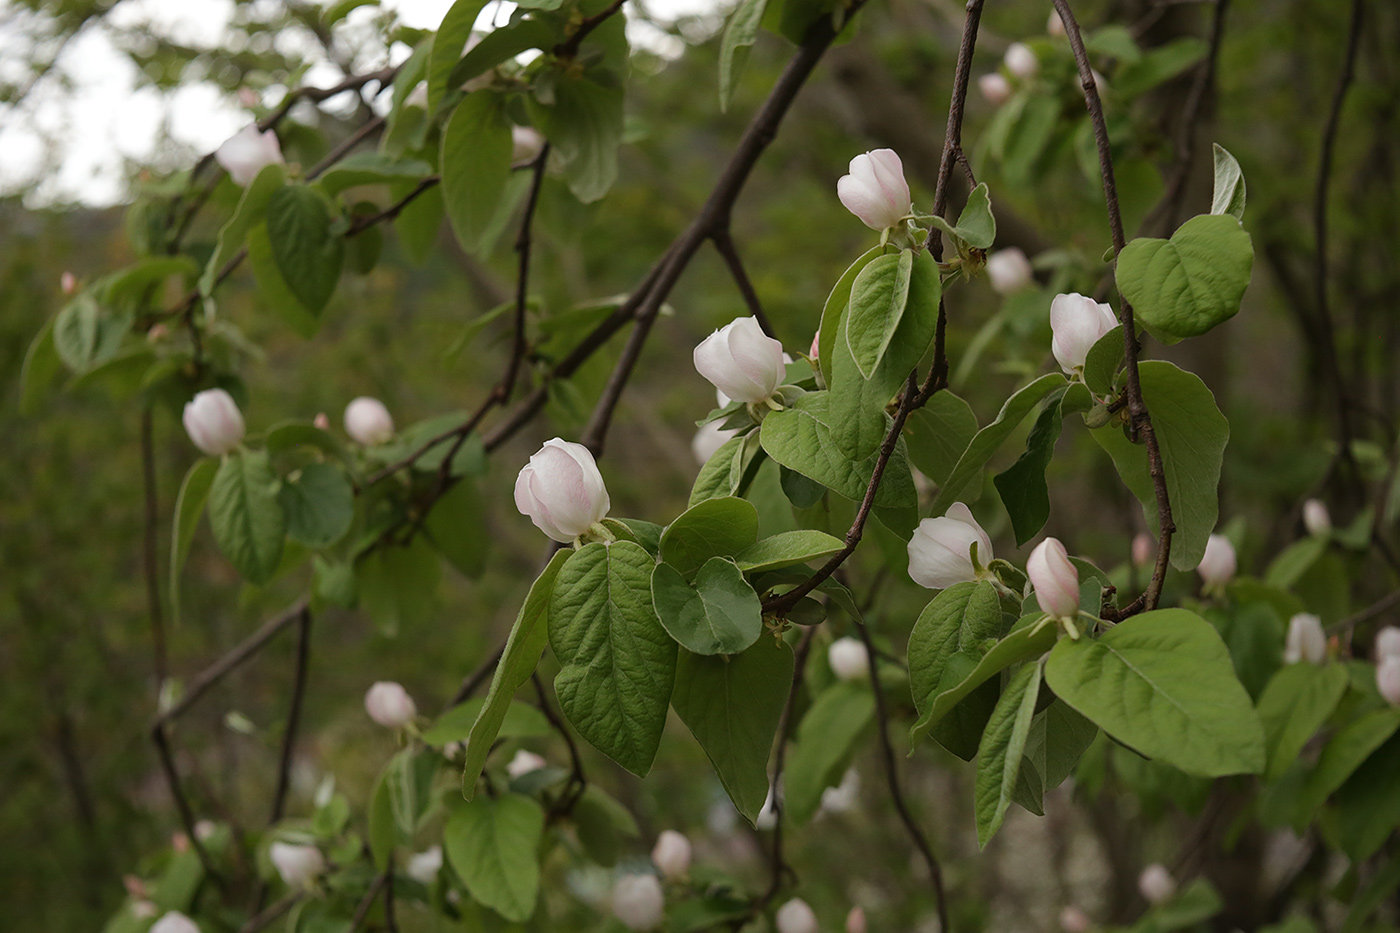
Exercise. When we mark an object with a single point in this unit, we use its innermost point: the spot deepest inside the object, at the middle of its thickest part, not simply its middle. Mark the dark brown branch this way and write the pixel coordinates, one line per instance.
(569, 47)
(578, 782)
(477, 677)
(952, 136)
(284, 765)
(182, 803)
(724, 242)
(361, 224)
(366, 902)
(319, 95)
(523, 244)
(150, 563)
(1378, 608)
(1139, 421)
(777, 865)
(266, 918)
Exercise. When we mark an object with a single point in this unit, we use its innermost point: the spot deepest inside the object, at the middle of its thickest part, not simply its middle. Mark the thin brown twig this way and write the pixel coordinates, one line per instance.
(266, 918)
(182, 803)
(724, 243)
(284, 765)
(578, 782)
(569, 47)
(363, 908)
(777, 865)
(1378, 608)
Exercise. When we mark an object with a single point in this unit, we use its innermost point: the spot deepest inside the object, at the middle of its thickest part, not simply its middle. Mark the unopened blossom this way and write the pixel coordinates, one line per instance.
(1076, 324)
(741, 361)
(1218, 564)
(68, 283)
(204, 830)
(1020, 61)
(815, 351)
(875, 190)
(1156, 884)
(844, 797)
(524, 762)
(248, 152)
(561, 490)
(423, 867)
(855, 920)
(710, 437)
(796, 917)
(1306, 640)
(1388, 679)
(638, 901)
(1009, 271)
(940, 551)
(1388, 643)
(389, 704)
(671, 855)
(1055, 579)
(848, 659)
(322, 421)
(526, 143)
(174, 922)
(1316, 518)
(144, 910)
(994, 87)
(368, 422)
(298, 865)
(1144, 549)
(1054, 25)
(213, 422)
(1072, 919)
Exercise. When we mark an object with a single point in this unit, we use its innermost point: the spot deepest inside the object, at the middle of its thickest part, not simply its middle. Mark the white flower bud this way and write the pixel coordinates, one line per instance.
(204, 830)
(1156, 884)
(144, 910)
(1072, 919)
(321, 422)
(423, 867)
(213, 422)
(875, 190)
(637, 900)
(767, 817)
(1076, 324)
(796, 917)
(368, 422)
(994, 87)
(297, 864)
(855, 920)
(1217, 565)
(418, 97)
(1055, 580)
(527, 143)
(741, 361)
(1388, 679)
(1055, 27)
(1009, 271)
(389, 704)
(524, 762)
(1306, 640)
(174, 922)
(247, 152)
(671, 854)
(1387, 643)
(844, 797)
(68, 283)
(940, 550)
(708, 439)
(561, 490)
(1020, 61)
(1316, 518)
(848, 659)
(1144, 550)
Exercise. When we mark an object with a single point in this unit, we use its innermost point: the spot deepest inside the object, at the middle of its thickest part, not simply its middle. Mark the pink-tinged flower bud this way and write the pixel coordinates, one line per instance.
(389, 704)
(994, 87)
(1306, 641)
(1217, 565)
(1156, 884)
(322, 421)
(174, 922)
(1072, 919)
(1055, 26)
(1316, 518)
(135, 886)
(671, 855)
(527, 143)
(1388, 679)
(741, 361)
(299, 865)
(1020, 61)
(848, 659)
(638, 901)
(708, 439)
(423, 867)
(561, 490)
(815, 351)
(524, 762)
(157, 333)
(248, 152)
(248, 97)
(1076, 324)
(1009, 271)
(875, 190)
(368, 422)
(213, 422)
(68, 283)
(1388, 643)
(1144, 550)
(796, 917)
(940, 552)
(1055, 580)
(855, 920)
(179, 842)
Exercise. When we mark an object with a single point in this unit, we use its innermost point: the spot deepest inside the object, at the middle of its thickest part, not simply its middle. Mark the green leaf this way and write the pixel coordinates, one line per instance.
(319, 504)
(398, 585)
(1370, 898)
(585, 126)
(987, 440)
(502, 44)
(527, 640)
(732, 706)
(252, 207)
(713, 481)
(42, 365)
(476, 154)
(1229, 195)
(964, 618)
(1192, 434)
(454, 526)
(448, 45)
(1368, 804)
(617, 662)
(1022, 485)
(383, 833)
(419, 222)
(273, 288)
(999, 755)
(1158, 65)
(1101, 364)
(1344, 753)
(938, 433)
(1058, 739)
(712, 528)
(298, 435)
(826, 743)
(719, 614)
(603, 825)
(878, 297)
(521, 720)
(246, 516)
(976, 227)
(492, 844)
(308, 254)
(835, 309)
(86, 335)
(786, 549)
(371, 168)
(739, 35)
(189, 506)
(1297, 559)
(1187, 285)
(1163, 684)
(1295, 704)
